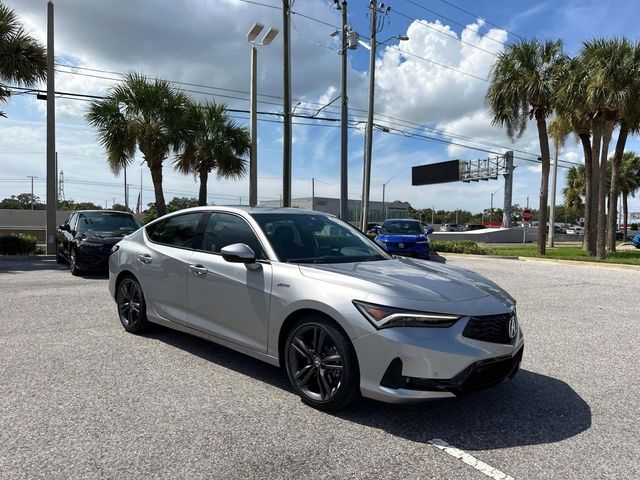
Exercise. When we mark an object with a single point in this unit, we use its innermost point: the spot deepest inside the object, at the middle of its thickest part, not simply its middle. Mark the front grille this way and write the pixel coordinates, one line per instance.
(489, 328)
(404, 244)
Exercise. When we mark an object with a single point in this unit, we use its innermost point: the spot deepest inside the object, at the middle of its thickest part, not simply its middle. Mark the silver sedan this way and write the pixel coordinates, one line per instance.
(308, 292)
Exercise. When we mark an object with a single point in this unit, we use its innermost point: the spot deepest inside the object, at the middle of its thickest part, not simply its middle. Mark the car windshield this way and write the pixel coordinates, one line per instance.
(397, 227)
(309, 238)
(107, 222)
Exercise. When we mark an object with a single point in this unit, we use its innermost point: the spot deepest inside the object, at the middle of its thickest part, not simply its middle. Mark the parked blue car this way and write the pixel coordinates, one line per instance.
(405, 237)
(636, 241)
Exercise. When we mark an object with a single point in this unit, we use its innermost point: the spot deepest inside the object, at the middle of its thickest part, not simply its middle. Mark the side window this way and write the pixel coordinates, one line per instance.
(72, 221)
(177, 231)
(224, 229)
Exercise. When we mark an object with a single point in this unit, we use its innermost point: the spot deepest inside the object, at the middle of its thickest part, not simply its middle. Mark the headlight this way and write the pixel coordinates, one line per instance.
(422, 242)
(385, 317)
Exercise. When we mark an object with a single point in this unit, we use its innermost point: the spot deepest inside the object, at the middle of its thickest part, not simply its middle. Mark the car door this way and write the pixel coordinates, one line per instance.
(162, 264)
(229, 300)
(65, 237)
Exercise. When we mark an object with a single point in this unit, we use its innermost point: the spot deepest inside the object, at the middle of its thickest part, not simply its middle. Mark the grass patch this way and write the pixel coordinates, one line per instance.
(627, 257)
(462, 246)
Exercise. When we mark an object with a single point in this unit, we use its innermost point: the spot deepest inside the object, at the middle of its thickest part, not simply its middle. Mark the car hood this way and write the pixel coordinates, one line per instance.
(408, 278)
(400, 238)
(104, 237)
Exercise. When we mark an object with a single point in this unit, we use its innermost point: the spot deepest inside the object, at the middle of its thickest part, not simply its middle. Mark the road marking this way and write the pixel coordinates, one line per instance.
(470, 460)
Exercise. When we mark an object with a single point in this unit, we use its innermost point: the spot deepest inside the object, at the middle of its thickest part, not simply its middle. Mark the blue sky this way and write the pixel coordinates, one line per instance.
(202, 42)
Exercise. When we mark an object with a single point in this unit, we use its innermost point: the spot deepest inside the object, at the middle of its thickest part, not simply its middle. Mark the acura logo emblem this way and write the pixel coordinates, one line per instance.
(513, 327)
(401, 245)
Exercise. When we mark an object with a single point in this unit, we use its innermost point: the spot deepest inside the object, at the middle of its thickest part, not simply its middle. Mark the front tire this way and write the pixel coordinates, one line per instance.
(132, 309)
(322, 365)
(73, 263)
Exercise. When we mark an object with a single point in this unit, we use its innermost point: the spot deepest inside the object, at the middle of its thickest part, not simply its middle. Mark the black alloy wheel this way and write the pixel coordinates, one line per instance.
(73, 262)
(131, 305)
(322, 365)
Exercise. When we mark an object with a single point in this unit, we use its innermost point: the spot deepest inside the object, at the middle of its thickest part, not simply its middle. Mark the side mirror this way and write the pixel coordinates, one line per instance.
(429, 230)
(238, 253)
(65, 227)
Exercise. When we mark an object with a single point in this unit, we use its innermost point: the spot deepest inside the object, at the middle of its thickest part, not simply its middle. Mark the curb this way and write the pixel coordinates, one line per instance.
(26, 257)
(575, 263)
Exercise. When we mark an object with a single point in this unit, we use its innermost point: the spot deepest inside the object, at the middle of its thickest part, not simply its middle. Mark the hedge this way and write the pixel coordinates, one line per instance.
(17, 245)
(461, 246)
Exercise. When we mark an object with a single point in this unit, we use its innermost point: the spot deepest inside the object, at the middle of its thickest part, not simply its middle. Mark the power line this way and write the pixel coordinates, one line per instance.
(466, 27)
(477, 16)
(453, 36)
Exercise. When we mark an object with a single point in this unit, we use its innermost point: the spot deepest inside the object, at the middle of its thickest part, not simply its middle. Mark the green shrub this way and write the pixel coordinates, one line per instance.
(371, 235)
(17, 245)
(461, 246)
(634, 226)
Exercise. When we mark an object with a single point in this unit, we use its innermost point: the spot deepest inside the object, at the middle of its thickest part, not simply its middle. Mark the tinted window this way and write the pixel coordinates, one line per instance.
(302, 238)
(72, 221)
(177, 231)
(107, 222)
(402, 228)
(224, 229)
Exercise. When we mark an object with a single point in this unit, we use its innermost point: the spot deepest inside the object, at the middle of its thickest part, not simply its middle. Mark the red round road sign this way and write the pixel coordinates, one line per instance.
(526, 215)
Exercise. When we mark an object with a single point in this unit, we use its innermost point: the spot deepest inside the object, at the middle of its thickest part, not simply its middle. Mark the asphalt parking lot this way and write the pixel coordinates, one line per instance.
(80, 398)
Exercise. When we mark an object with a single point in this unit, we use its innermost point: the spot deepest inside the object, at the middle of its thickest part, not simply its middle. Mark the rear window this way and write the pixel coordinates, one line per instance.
(106, 222)
(177, 231)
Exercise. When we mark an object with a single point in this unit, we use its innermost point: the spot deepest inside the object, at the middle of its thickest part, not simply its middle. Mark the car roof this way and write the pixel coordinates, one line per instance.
(102, 211)
(252, 210)
(402, 220)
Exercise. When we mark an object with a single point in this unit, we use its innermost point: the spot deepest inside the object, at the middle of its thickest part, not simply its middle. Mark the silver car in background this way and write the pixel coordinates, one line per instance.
(308, 292)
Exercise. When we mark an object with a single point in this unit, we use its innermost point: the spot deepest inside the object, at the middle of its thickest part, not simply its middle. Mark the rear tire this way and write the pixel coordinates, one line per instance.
(132, 308)
(321, 364)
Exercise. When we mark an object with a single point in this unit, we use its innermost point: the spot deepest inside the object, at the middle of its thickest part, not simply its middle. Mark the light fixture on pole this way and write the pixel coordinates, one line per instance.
(253, 121)
(491, 212)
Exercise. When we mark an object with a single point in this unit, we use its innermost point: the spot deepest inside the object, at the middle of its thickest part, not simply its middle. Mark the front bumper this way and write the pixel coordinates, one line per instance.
(399, 365)
(420, 251)
(93, 258)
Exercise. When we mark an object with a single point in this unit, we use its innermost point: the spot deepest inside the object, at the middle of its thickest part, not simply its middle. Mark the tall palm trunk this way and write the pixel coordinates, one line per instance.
(614, 193)
(588, 173)
(601, 242)
(156, 177)
(544, 182)
(625, 213)
(202, 194)
(595, 184)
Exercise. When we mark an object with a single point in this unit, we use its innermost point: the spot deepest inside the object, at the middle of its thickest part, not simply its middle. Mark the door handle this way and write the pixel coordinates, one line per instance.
(145, 258)
(198, 269)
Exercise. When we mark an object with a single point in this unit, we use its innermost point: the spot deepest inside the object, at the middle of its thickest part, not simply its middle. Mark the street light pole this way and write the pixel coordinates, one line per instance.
(384, 206)
(253, 127)
(552, 213)
(268, 37)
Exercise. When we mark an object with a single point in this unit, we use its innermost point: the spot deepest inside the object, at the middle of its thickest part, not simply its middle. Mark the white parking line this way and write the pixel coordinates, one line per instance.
(470, 460)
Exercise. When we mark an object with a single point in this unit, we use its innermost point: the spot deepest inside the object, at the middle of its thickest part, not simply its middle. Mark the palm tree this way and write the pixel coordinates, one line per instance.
(559, 130)
(523, 84)
(608, 89)
(629, 183)
(23, 60)
(574, 189)
(144, 114)
(212, 141)
(571, 106)
(629, 124)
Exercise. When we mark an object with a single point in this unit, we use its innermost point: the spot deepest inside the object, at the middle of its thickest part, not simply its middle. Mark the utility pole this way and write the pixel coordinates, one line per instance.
(286, 144)
(384, 209)
(313, 194)
(552, 210)
(126, 190)
(508, 190)
(491, 211)
(368, 142)
(51, 136)
(31, 177)
(344, 118)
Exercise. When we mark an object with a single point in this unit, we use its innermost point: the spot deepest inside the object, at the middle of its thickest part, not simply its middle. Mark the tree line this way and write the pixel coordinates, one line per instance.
(589, 96)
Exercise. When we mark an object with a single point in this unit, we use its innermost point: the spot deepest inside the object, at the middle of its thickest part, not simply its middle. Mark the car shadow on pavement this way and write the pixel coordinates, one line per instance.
(29, 265)
(531, 409)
